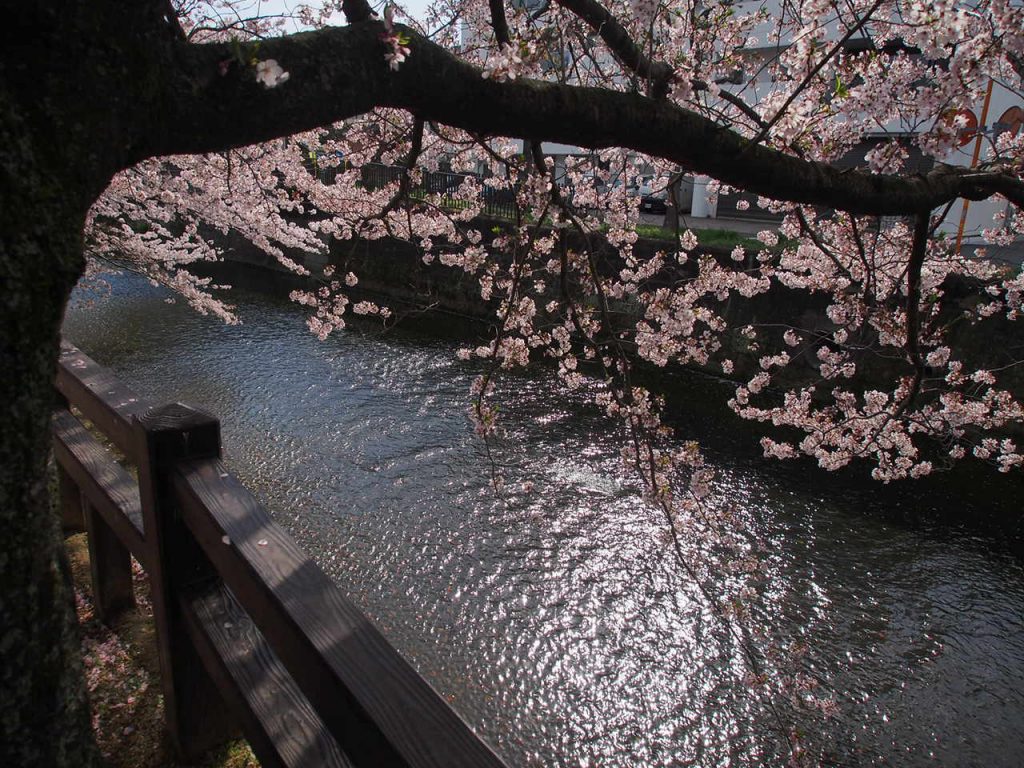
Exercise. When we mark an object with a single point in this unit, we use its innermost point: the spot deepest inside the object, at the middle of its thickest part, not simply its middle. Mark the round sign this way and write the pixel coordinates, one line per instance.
(1011, 120)
(966, 121)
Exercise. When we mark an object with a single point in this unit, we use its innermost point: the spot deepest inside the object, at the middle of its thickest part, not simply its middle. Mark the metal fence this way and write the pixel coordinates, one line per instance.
(497, 203)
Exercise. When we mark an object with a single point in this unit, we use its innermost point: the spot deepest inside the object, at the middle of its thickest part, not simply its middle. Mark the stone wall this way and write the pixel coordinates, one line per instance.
(393, 273)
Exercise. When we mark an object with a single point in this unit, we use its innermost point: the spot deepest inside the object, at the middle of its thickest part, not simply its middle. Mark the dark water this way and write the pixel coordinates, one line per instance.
(556, 619)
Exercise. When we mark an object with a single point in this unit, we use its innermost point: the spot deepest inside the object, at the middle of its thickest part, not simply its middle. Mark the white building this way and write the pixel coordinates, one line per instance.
(1003, 109)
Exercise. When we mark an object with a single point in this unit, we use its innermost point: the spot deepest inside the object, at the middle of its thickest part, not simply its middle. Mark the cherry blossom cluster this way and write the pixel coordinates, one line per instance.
(396, 41)
(886, 369)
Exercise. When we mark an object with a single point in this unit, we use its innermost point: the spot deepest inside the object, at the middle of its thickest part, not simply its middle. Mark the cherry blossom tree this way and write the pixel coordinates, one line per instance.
(138, 134)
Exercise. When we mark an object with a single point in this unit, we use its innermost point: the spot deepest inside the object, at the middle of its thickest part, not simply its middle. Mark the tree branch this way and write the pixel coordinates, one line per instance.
(356, 11)
(616, 37)
(918, 251)
(170, 15)
(917, 255)
(337, 73)
(816, 69)
(736, 101)
(415, 148)
(499, 22)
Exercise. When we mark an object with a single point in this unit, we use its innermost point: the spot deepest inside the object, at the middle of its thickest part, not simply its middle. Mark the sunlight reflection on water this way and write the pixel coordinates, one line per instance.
(555, 619)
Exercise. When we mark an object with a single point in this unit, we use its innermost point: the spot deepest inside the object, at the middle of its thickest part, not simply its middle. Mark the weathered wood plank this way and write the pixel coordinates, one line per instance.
(378, 707)
(70, 503)
(110, 564)
(194, 712)
(276, 719)
(107, 486)
(101, 397)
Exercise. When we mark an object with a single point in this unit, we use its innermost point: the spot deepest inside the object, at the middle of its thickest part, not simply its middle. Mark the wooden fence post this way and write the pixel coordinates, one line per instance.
(71, 513)
(196, 716)
(70, 503)
(110, 564)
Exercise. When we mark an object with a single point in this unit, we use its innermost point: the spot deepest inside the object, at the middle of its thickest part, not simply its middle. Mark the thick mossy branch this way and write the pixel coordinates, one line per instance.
(341, 72)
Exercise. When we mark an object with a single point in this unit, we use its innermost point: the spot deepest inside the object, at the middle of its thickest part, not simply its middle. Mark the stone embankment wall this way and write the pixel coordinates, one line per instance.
(393, 273)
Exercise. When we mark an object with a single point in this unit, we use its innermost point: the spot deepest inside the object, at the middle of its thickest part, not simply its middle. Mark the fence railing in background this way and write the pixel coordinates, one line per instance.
(252, 635)
(497, 203)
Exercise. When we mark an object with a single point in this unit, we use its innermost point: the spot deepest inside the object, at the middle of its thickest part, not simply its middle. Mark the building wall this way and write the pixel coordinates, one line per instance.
(755, 84)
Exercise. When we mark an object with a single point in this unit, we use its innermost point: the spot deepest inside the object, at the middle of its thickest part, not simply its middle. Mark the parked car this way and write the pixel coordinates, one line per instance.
(651, 200)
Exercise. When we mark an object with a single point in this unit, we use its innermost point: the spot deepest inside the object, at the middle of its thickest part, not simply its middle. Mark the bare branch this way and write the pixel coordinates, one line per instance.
(658, 74)
(499, 22)
(816, 69)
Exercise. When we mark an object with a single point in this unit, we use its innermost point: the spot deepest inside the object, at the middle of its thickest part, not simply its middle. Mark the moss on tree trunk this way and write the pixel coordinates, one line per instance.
(44, 715)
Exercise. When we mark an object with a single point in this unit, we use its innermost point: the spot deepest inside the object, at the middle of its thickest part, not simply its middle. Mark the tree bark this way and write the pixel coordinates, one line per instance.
(88, 87)
(44, 714)
(72, 75)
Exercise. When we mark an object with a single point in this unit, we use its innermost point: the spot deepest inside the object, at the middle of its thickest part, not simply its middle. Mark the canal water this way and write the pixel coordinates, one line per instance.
(553, 615)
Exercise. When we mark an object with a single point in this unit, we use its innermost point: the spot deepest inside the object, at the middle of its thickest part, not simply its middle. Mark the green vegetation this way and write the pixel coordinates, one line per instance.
(719, 238)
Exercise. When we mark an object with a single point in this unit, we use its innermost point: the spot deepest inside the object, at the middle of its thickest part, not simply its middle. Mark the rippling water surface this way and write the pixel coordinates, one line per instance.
(555, 619)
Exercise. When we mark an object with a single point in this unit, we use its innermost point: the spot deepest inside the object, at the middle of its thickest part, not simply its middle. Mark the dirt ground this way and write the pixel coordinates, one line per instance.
(122, 674)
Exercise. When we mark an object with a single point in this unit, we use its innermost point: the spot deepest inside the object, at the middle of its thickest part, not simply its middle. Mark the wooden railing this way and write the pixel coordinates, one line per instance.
(252, 635)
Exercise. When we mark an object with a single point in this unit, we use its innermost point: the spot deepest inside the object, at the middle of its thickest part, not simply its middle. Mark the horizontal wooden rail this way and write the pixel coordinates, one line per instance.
(100, 397)
(106, 485)
(275, 717)
(358, 682)
(251, 633)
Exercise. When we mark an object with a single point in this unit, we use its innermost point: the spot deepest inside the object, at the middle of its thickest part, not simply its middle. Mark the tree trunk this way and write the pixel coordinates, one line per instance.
(44, 713)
